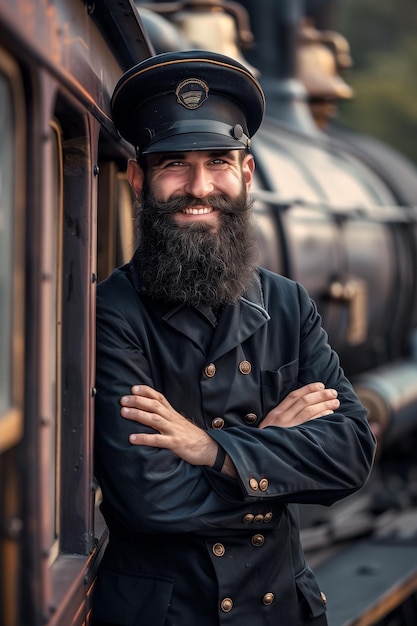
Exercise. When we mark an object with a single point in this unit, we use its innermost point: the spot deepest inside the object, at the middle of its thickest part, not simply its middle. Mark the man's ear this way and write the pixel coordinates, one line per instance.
(135, 176)
(248, 167)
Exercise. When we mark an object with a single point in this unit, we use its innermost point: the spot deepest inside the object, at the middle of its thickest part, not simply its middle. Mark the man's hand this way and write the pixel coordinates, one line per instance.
(191, 443)
(301, 405)
(174, 432)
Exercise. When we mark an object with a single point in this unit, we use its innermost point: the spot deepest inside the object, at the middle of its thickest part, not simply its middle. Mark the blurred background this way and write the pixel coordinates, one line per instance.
(383, 44)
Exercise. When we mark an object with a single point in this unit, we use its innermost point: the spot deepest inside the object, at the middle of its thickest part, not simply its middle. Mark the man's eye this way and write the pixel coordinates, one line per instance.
(174, 164)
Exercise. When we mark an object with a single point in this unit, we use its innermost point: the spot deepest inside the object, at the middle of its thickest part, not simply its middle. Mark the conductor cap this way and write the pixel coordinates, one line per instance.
(188, 100)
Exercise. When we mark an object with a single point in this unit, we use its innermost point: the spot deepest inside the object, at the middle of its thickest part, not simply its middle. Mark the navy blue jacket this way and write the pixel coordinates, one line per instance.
(188, 545)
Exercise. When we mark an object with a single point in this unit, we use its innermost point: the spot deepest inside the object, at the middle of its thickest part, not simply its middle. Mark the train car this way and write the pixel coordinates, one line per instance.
(60, 175)
(326, 217)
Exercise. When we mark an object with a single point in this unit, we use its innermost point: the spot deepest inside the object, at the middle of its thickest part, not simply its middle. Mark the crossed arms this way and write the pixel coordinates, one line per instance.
(193, 444)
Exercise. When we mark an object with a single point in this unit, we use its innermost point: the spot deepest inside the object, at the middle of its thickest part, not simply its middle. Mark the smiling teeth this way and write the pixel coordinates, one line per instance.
(197, 211)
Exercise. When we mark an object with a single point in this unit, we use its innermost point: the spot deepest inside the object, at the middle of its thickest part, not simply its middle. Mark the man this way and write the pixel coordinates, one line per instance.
(220, 404)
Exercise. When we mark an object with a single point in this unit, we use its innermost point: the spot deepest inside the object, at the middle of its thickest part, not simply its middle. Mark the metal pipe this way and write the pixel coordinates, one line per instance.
(276, 26)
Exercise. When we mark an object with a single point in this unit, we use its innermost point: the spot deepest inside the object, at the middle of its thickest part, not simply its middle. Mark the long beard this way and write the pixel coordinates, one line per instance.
(193, 263)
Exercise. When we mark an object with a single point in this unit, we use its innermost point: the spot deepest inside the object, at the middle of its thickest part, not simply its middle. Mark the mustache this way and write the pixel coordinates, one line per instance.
(220, 202)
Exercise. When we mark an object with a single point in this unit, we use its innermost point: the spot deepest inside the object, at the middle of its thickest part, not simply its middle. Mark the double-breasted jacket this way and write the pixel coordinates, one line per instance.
(188, 545)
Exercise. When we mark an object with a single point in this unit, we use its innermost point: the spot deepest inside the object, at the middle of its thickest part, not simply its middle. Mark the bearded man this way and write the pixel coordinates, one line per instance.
(220, 404)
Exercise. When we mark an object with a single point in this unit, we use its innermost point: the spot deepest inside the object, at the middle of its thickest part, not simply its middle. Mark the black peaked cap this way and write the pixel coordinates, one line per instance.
(188, 100)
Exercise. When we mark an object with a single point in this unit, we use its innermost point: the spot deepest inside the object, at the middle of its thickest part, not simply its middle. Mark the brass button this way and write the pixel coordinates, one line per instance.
(250, 418)
(218, 549)
(248, 518)
(253, 483)
(226, 605)
(268, 598)
(218, 422)
(263, 484)
(257, 540)
(323, 597)
(268, 517)
(210, 370)
(259, 518)
(245, 367)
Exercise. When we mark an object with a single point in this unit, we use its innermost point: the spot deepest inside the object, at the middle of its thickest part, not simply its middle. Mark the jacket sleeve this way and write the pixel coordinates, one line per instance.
(322, 460)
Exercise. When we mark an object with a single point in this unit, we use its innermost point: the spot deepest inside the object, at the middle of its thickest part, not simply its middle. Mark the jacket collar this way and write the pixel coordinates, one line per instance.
(236, 323)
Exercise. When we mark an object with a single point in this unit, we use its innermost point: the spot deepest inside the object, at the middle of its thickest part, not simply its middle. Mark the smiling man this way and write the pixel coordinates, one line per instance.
(220, 404)
(199, 245)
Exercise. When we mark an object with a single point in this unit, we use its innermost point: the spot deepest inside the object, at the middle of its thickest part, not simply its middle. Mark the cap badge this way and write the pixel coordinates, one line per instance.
(191, 93)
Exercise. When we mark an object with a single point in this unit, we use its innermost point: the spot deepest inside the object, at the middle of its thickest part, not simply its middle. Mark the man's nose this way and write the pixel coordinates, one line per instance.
(199, 182)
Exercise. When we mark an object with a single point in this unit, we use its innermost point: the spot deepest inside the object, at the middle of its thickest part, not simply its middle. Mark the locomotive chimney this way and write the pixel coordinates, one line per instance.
(321, 12)
(276, 25)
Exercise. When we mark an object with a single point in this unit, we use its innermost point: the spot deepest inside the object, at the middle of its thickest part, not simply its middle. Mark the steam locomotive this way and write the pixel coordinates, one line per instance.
(332, 211)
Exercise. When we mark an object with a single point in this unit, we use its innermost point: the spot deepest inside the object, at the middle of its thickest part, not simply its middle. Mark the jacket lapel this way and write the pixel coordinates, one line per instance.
(192, 324)
(238, 322)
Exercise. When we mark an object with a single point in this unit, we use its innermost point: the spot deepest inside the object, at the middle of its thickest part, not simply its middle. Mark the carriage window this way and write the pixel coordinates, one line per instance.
(115, 219)
(125, 221)
(11, 271)
(7, 161)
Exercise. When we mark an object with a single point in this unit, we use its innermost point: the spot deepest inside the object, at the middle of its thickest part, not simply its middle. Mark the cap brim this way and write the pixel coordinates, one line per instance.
(189, 142)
